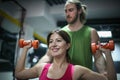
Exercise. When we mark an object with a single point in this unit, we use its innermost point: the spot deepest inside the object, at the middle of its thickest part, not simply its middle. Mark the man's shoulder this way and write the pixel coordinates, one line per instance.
(64, 27)
(91, 28)
(88, 27)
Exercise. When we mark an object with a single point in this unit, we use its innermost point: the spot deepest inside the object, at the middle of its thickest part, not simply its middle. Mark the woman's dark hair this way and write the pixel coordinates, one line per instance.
(64, 35)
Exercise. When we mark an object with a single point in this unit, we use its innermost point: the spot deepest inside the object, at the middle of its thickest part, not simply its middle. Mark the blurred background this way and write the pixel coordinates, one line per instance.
(34, 19)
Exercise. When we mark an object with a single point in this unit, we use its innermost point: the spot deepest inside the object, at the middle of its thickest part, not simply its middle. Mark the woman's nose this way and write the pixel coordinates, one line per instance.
(54, 44)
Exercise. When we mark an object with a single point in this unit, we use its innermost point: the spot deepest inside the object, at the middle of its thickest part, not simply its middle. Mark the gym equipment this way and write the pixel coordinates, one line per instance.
(35, 43)
(109, 45)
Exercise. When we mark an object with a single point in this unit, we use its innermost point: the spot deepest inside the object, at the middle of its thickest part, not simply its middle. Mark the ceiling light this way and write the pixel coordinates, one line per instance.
(105, 34)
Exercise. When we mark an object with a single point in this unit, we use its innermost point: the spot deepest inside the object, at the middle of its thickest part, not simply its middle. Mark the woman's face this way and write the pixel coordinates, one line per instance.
(57, 45)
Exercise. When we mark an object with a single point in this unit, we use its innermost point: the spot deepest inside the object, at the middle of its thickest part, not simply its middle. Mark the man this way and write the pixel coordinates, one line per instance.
(81, 37)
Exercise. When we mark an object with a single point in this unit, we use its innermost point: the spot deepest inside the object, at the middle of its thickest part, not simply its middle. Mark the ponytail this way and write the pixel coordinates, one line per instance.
(83, 14)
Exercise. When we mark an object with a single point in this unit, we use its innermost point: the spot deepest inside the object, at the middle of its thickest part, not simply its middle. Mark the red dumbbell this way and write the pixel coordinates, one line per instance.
(35, 43)
(109, 45)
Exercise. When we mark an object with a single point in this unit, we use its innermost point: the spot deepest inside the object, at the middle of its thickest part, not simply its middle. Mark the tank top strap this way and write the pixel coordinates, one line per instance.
(69, 73)
(43, 75)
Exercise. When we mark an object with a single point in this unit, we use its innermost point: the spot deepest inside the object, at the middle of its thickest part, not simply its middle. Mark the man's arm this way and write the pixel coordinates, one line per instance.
(100, 63)
(46, 58)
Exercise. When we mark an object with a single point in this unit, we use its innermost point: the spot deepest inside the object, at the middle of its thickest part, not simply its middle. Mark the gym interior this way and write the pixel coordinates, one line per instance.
(34, 19)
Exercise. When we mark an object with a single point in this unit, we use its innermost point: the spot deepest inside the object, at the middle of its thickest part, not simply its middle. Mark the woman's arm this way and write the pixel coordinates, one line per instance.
(111, 73)
(100, 62)
(84, 73)
(20, 71)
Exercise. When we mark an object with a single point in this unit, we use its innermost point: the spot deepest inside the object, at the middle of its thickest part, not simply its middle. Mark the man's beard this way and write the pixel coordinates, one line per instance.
(74, 20)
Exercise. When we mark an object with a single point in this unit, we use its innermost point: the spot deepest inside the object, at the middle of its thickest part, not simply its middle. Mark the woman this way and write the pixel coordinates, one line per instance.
(60, 68)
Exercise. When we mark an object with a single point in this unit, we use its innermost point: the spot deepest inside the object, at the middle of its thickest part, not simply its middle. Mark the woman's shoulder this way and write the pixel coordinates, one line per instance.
(40, 67)
(77, 72)
(41, 64)
(80, 69)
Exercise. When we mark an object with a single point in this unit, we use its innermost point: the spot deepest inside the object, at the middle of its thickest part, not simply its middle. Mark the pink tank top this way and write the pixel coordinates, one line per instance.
(67, 76)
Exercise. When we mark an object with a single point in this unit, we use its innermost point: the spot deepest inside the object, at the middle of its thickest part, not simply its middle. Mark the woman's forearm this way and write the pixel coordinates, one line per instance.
(110, 67)
(20, 66)
(100, 62)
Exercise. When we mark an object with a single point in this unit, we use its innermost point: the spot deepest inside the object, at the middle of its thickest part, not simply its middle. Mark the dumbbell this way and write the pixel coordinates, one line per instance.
(35, 43)
(109, 45)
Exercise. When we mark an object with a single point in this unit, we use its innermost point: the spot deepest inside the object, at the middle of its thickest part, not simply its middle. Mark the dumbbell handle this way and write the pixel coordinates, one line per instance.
(35, 43)
(109, 45)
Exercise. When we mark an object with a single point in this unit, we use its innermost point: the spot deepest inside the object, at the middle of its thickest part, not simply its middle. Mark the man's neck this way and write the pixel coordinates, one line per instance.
(76, 26)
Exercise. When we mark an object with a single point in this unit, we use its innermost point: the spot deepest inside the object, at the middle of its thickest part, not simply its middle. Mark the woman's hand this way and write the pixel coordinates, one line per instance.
(105, 51)
(28, 44)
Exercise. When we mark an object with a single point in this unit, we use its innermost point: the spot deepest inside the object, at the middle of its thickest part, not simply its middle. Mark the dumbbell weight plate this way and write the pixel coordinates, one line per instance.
(21, 43)
(93, 47)
(111, 45)
(35, 44)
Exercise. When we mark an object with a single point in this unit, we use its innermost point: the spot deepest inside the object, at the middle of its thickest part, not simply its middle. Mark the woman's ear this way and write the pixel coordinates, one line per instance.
(68, 45)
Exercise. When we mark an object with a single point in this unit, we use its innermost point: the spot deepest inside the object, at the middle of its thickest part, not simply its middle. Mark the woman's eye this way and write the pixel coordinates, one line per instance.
(50, 41)
(59, 40)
